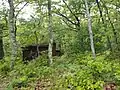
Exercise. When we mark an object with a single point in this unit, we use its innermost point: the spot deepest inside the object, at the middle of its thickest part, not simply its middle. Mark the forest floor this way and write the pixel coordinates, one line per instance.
(77, 72)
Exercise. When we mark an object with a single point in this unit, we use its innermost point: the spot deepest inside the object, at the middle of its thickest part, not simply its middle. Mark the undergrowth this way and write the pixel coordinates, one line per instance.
(76, 72)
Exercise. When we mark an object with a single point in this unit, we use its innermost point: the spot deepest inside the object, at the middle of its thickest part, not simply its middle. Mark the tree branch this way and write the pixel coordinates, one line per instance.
(100, 11)
(18, 4)
(70, 26)
(66, 18)
(112, 25)
(20, 9)
(78, 21)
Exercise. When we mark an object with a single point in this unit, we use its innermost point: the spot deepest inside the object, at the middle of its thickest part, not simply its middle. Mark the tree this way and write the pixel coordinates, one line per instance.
(50, 33)
(3, 28)
(104, 24)
(111, 23)
(90, 29)
(1, 42)
(12, 33)
(71, 15)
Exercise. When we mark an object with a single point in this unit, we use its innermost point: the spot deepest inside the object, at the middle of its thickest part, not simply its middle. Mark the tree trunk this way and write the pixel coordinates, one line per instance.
(109, 46)
(12, 33)
(90, 29)
(112, 25)
(1, 44)
(50, 33)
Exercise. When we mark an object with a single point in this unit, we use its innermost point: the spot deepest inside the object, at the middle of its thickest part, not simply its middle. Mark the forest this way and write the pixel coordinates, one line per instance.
(59, 45)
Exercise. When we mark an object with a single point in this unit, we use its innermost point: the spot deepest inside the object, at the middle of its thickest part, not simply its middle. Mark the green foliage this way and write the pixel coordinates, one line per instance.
(23, 74)
(4, 66)
(74, 70)
(78, 72)
(18, 82)
(89, 75)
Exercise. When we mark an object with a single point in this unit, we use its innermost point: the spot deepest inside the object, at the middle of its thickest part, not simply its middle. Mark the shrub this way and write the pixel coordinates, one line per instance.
(91, 74)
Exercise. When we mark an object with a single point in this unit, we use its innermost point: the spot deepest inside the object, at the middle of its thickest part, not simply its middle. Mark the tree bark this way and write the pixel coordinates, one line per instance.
(12, 33)
(1, 43)
(90, 29)
(50, 33)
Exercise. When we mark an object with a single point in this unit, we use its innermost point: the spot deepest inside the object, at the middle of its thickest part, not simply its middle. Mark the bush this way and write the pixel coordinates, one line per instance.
(76, 72)
(91, 74)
